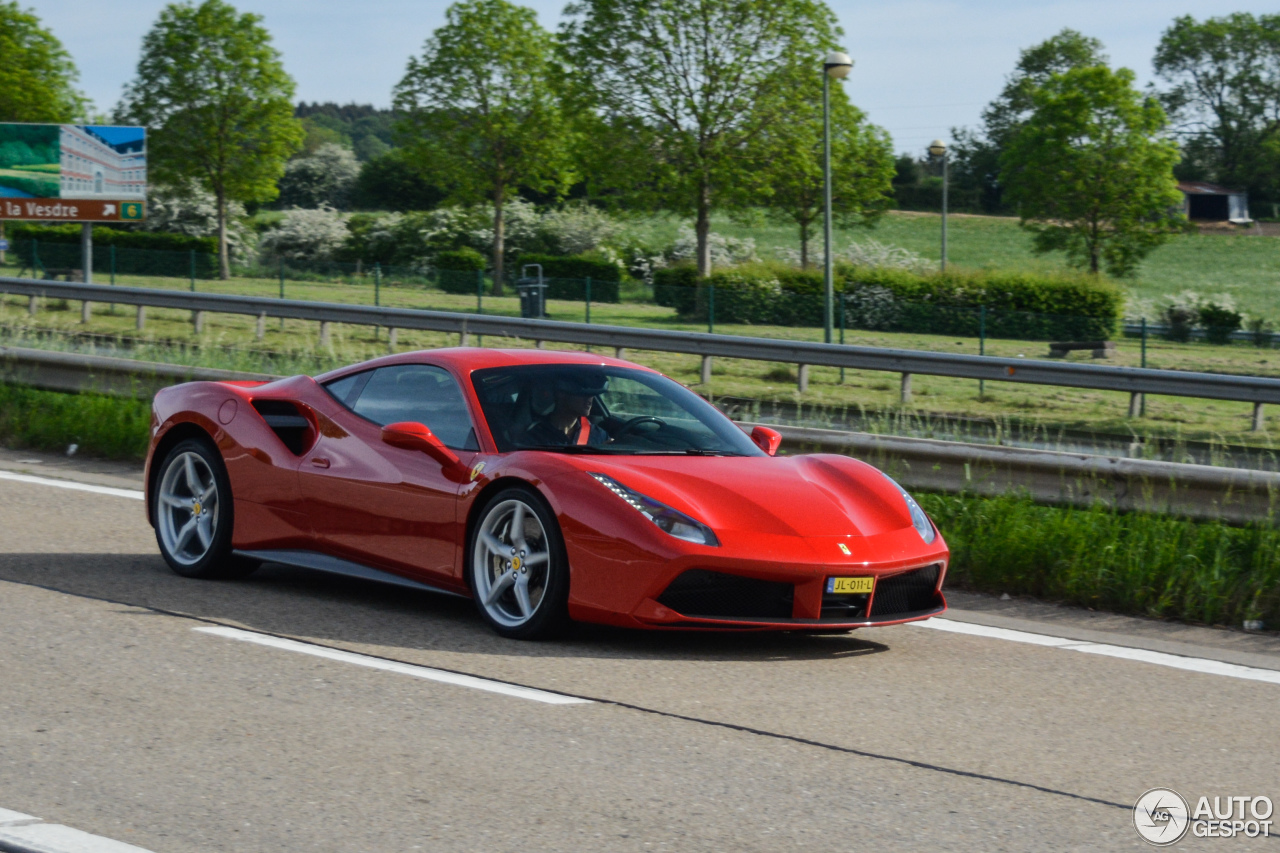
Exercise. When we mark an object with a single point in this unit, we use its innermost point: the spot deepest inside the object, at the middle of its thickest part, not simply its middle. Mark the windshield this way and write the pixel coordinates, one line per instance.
(574, 408)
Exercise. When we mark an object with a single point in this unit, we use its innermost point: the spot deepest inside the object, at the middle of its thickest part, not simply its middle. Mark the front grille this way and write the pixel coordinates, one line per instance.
(909, 592)
(844, 608)
(699, 592)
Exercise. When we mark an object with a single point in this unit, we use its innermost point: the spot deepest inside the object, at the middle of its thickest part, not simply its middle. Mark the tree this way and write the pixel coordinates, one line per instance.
(680, 90)
(1224, 96)
(482, 118)
(326, 177)
(862, 166)
(218, 102)
(37, 76)
(390, 182)
(1091, 172)
(975, 154)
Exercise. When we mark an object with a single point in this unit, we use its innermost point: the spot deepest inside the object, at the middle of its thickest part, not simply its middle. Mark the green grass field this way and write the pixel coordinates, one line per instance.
(1247, 266)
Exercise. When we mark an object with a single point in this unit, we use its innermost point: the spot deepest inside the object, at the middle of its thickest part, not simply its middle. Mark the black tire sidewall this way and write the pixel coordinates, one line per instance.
(552, 616)
(218, 561)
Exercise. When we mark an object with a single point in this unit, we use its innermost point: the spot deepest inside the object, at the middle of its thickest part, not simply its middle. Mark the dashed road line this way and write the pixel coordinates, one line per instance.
(24, 833)
(1205, 666)
(431, 674)
(73, 485)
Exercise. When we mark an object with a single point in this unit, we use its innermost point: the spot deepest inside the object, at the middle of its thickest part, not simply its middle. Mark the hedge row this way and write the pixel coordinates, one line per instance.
(1017, 305)
(123, 261)
(566, 277)
(105, 236)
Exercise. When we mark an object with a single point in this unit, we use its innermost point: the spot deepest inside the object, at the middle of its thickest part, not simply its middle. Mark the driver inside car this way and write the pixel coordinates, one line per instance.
(568, 422)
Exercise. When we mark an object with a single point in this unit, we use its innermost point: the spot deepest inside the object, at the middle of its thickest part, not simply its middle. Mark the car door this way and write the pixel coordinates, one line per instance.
(381, 505)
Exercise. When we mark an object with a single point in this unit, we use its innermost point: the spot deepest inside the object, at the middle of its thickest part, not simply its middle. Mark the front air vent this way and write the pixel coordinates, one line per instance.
(287, 422)
(907, 593)
(699, 592)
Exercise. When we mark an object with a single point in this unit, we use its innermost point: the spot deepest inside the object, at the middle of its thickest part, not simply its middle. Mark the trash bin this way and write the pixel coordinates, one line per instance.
(533, 294)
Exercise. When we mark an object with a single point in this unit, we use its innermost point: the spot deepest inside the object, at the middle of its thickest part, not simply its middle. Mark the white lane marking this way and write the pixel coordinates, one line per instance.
(1201, 665)
(35, 836)
(443, 676)
(10, 818)
(70, 484)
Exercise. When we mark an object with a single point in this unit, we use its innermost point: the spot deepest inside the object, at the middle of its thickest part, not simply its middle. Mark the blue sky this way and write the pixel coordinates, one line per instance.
(921, 66)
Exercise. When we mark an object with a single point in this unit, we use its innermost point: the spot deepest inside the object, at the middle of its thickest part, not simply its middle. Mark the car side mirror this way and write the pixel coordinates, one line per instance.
(410, 435)
(766, 439)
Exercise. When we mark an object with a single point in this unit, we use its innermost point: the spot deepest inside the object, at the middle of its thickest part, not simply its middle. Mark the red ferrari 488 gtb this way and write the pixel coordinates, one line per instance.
(547, 486)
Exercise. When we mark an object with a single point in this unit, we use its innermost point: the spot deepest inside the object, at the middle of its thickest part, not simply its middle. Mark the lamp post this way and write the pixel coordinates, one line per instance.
(938, 149)
(837, 67)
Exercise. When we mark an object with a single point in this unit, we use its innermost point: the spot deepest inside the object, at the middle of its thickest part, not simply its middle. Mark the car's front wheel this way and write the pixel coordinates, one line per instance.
(519, 570)
(191, 507)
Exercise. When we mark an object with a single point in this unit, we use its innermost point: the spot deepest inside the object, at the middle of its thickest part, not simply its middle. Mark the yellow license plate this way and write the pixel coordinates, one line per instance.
(850, 586)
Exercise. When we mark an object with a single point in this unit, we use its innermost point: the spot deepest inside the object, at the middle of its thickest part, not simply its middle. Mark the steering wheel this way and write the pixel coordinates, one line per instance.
(635, 422)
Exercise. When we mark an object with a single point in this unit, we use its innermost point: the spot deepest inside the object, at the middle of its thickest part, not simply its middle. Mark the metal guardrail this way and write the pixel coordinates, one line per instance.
(1233, 495)
(1204, 492)
(125, 377)
(1132, 380)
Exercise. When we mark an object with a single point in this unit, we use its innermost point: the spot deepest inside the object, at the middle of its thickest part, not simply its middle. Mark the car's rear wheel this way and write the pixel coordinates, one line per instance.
(191, 507)
(519, 571)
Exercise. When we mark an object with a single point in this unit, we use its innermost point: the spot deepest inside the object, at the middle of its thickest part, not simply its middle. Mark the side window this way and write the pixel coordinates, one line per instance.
(421, 393)
(346, 389)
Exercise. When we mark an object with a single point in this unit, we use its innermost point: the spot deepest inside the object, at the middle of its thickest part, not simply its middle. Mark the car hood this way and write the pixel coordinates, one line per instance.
(808, 496)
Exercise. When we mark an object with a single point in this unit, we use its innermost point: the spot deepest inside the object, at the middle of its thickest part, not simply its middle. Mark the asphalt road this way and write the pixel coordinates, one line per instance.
(117, 717)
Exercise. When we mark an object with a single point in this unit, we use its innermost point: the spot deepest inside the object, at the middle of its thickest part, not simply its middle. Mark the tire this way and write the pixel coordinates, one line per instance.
(192, 488)
(525, 595)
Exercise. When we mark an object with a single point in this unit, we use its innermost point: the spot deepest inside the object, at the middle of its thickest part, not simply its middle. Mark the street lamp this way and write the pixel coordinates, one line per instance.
(837, 67)
(938, 149)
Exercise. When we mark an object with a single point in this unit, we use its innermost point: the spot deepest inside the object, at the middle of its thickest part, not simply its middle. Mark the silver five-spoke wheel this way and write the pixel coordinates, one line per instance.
(511, 556)
(188, 508)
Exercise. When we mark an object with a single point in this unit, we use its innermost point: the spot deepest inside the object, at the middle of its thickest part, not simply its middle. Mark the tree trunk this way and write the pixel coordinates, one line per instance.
(499, 239)
(804, 245)
(702, 229)
(224, 263)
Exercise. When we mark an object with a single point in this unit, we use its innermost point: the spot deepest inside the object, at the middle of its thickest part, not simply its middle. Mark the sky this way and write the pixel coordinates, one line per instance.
(921, 67)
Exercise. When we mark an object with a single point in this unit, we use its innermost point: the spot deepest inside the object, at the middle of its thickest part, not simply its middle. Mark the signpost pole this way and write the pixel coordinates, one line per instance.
(86, 252)
(3, 243)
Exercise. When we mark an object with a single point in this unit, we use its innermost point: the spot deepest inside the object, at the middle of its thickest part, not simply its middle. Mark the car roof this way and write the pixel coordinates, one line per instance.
(466, 359)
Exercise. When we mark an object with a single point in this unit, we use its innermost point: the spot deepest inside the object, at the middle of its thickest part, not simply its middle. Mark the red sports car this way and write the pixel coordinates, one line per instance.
(547, 486)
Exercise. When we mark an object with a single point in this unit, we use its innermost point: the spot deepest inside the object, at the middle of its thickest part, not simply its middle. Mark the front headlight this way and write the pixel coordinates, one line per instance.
(669, 520)
(919, 520)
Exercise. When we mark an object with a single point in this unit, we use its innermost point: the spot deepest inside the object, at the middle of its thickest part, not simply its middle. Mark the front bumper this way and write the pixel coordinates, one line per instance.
(714, 600)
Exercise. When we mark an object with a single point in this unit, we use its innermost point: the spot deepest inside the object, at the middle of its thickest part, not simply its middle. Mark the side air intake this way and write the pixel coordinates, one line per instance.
(287, 422)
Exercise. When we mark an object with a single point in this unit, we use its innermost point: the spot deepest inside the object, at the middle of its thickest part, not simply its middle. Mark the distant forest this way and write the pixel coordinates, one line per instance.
(363, 128)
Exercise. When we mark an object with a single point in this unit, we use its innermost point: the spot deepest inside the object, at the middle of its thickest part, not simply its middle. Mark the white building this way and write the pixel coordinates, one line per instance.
(94, 168)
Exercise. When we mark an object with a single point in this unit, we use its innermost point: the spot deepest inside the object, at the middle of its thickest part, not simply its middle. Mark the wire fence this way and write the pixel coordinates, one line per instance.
(858, 318)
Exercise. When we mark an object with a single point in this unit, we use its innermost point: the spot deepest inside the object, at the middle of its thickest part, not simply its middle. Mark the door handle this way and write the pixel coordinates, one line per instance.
(319, 462)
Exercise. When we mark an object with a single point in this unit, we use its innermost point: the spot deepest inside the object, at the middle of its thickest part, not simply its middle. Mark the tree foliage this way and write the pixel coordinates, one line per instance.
(975, 154)
(482, 118)
(1223, 76)
(678, 91)
(1091, 172)
(37, 76)
(216, 97)
(326, 177)
(862, 165)
(391, 182)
